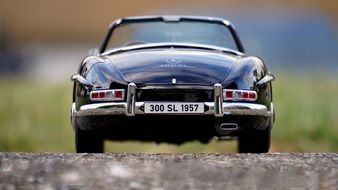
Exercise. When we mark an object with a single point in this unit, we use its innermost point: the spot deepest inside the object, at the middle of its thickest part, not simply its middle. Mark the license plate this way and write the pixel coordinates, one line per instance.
(173, 108)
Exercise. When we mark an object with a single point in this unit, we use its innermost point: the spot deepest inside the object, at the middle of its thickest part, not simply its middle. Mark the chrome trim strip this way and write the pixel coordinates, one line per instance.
(272, 113)
(271, 109)
(120, 108)
(73, 110)
(72, 114)
(176, 86)
(131, 96)
(218, 100)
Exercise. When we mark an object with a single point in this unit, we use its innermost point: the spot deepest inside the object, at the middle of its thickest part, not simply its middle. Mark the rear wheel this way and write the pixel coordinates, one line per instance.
(254, 141)
(88, 141)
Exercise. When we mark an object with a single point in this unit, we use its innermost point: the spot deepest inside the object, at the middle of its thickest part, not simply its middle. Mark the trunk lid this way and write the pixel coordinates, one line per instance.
(168, 66)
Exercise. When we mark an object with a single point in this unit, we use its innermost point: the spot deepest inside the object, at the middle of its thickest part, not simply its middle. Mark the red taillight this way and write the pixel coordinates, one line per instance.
(239, 95)
(118, 95)
(102, 95)
(107, 95)
(94, 95)
(228, 93)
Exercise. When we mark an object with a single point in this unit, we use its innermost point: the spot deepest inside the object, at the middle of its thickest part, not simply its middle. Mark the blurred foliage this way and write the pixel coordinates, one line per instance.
(307, 110)
(35, 118)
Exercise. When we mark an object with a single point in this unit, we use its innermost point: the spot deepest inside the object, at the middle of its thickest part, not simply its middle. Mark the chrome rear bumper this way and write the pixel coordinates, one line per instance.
(132, 108)
(121, 109)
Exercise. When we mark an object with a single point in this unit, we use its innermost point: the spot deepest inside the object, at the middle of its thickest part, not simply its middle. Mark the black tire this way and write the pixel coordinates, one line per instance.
(254, 141)
(88, 141)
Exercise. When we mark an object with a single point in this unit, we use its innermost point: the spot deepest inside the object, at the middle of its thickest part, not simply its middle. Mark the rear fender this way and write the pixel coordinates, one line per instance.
(247, 74)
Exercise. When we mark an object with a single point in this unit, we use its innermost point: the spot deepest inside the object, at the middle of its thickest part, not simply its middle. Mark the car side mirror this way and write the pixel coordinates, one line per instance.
(94, 52)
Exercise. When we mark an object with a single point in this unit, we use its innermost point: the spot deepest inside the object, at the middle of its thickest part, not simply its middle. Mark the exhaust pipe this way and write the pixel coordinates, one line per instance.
(226, 128)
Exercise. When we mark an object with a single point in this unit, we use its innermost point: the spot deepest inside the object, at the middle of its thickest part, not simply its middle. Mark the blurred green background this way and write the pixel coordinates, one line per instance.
(43, 42)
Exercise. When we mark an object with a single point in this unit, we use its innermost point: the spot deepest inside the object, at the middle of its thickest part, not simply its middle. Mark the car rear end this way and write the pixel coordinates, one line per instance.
(172, 113)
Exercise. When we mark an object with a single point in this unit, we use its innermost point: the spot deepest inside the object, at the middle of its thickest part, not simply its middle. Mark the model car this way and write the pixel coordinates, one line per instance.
(172, 79)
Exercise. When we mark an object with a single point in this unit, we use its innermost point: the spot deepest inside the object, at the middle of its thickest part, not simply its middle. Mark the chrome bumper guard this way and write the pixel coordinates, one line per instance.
(132, 108)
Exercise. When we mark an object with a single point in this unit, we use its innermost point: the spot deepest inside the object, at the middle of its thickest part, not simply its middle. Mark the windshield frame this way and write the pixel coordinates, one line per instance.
(140, 19)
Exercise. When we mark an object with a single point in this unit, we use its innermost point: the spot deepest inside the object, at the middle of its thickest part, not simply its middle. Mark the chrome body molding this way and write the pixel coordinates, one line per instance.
(72, 113)
(122, 108)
